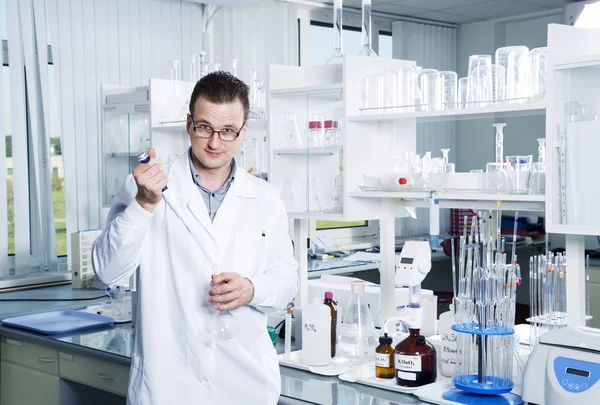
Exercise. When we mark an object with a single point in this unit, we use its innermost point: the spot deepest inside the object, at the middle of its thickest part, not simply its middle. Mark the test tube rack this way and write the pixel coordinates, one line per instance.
(82, 273)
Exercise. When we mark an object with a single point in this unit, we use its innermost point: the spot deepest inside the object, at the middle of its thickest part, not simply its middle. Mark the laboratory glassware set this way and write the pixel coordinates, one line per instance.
(484, 307)
(337, 55)
(506, 175)
(517, 76)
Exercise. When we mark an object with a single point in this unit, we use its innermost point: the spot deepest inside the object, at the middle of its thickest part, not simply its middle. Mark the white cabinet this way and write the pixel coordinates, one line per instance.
(28, 373)
(21, 385)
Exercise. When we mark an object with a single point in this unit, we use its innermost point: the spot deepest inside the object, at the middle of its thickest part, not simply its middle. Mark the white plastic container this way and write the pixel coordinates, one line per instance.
(316, 334)
(449, 343)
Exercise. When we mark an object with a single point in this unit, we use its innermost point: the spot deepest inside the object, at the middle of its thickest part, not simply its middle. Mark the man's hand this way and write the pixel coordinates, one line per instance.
(150, 180)
(229, 291)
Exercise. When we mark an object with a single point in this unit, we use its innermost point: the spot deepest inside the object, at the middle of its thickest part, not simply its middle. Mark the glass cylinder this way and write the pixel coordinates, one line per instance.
(498, 83)
(462, 92)
(390, 95)
(174, 74)
(374, 93)
(337, 56)
(479, 92)
(193, 73)
(202, 65)
(366, 30)
(449, 92)
(516, 61)
(404, 88)
(539, 70)
(431, 89)
(234, 63)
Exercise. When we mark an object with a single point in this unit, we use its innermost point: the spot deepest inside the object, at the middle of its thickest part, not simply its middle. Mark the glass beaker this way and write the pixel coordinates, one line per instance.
(390, 94)
(462, 92)
(539, 69)
(225, 324)
(374, 93)
(449, 82)
(404, 88)
(357, 337)
(430, 89)
(498, 83)
(515, 60)
(479, 92)
(337, 56)
(520, 174)
(366, 30)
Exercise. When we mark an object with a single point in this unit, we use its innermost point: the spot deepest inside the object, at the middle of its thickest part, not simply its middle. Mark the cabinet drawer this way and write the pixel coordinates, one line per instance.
(95, 373)
(29, 355)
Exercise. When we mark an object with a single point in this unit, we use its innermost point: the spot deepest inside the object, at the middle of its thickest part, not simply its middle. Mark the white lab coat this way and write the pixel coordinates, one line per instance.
(173, 361)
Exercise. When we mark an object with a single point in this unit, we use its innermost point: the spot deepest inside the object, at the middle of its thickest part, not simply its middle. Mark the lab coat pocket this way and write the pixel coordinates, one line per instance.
(249, 252)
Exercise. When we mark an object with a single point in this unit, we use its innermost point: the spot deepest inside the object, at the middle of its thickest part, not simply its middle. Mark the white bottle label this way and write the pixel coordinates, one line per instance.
(382, 360)
(408, 363)
(406, 376)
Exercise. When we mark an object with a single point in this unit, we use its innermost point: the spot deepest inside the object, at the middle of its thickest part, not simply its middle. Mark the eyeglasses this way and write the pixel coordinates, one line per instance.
(226, 135)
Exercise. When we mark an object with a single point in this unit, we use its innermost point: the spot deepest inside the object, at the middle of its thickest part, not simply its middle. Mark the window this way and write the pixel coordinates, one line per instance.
(385, 44)
(56, 166)
(321, 41)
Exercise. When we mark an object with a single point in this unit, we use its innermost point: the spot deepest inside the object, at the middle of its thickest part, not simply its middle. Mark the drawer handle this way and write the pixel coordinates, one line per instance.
(105, 376)
(46, 360)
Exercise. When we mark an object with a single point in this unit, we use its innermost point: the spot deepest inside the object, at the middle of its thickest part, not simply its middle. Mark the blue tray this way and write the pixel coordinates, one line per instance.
(58, 322)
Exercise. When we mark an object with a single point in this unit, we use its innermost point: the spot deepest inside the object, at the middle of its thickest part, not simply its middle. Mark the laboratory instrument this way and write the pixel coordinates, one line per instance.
(292, 135)
(81, 257)
(315, 132)
(449, 84)
(337, 56)
(316, 334)
(366, 30)
(202, 65)
(539, 71)
(314, 204)
(485, 315)
(374, 92)
(463, 86)
(234, 63)
(479, 86)
(225, 325)
(498, 83)
(193, 67)
(564, 368)
(288, 331)
(547, 295)
(520, 174)
(415, 361)
(384, 358)
(537, 184)
(498, 173)
(431, 90)
(357, 336)
(516, 61)
(333, 308)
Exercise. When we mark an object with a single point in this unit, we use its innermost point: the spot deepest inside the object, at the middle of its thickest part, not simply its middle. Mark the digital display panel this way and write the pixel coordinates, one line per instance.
(406, 260)
(580, 373)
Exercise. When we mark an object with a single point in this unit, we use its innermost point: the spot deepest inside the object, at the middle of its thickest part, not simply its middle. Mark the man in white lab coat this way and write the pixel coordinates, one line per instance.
(241, 224)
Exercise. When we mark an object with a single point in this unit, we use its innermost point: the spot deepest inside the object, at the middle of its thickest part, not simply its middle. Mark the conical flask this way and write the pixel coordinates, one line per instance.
(358, 338)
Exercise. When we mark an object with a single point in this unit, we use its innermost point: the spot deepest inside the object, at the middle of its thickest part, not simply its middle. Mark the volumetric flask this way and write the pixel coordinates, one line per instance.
(539, 69)
(462, 92)
(357, 338)
(479, 92)
(515, 60)
(430, 89)
(498, 84)
(449, 83)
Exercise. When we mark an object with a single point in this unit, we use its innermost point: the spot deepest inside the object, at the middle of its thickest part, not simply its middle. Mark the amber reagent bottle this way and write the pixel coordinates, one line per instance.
(332, 305)
(384, 358)
(415, 362)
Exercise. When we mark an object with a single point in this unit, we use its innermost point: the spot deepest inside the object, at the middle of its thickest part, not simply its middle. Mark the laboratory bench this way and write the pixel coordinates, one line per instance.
(92, 367)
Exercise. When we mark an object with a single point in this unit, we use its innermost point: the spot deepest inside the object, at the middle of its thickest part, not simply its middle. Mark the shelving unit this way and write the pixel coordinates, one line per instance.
(494, 111)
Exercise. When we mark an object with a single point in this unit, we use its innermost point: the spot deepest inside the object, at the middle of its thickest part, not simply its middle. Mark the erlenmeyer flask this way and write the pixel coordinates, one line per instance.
(314, 201)
(357, 338)
(366, 30)
(225, 324)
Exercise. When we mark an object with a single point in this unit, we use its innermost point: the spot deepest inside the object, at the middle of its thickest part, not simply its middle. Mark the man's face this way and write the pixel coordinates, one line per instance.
(213, 153)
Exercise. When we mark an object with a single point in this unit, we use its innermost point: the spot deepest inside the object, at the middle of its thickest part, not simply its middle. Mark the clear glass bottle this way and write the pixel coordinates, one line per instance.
(357, 338)
(384, 358)
(315, 134)
(366, 30)
(415, 361)
(333, 307)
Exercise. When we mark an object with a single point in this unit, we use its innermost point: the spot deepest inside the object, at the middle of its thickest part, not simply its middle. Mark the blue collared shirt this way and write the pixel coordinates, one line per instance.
(212, 199)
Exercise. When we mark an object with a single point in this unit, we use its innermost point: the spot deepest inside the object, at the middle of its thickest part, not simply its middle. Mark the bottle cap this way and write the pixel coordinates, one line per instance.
(385, 339)
(315, 124)
(358, 286)
(421, 340)
(328, 295)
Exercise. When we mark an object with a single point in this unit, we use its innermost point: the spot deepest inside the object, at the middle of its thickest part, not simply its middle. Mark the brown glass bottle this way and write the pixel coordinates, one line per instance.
(384, 358)
(332, 305)
(415, 362)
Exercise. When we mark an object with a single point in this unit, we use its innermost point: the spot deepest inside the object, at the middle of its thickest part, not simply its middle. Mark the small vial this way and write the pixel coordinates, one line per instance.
(384, 358)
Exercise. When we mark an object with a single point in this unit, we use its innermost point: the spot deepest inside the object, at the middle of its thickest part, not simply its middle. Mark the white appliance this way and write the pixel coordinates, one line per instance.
(564, 368)
(316, 334)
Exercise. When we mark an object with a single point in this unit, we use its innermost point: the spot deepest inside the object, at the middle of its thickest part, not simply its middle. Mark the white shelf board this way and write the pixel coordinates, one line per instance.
(170, 126)
(310, 151)
(307, 91)
(462, 200)
(121, 154)
(495, 111)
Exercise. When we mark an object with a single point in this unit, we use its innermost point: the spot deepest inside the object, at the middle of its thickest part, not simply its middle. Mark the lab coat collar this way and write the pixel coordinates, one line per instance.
(242, 189)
